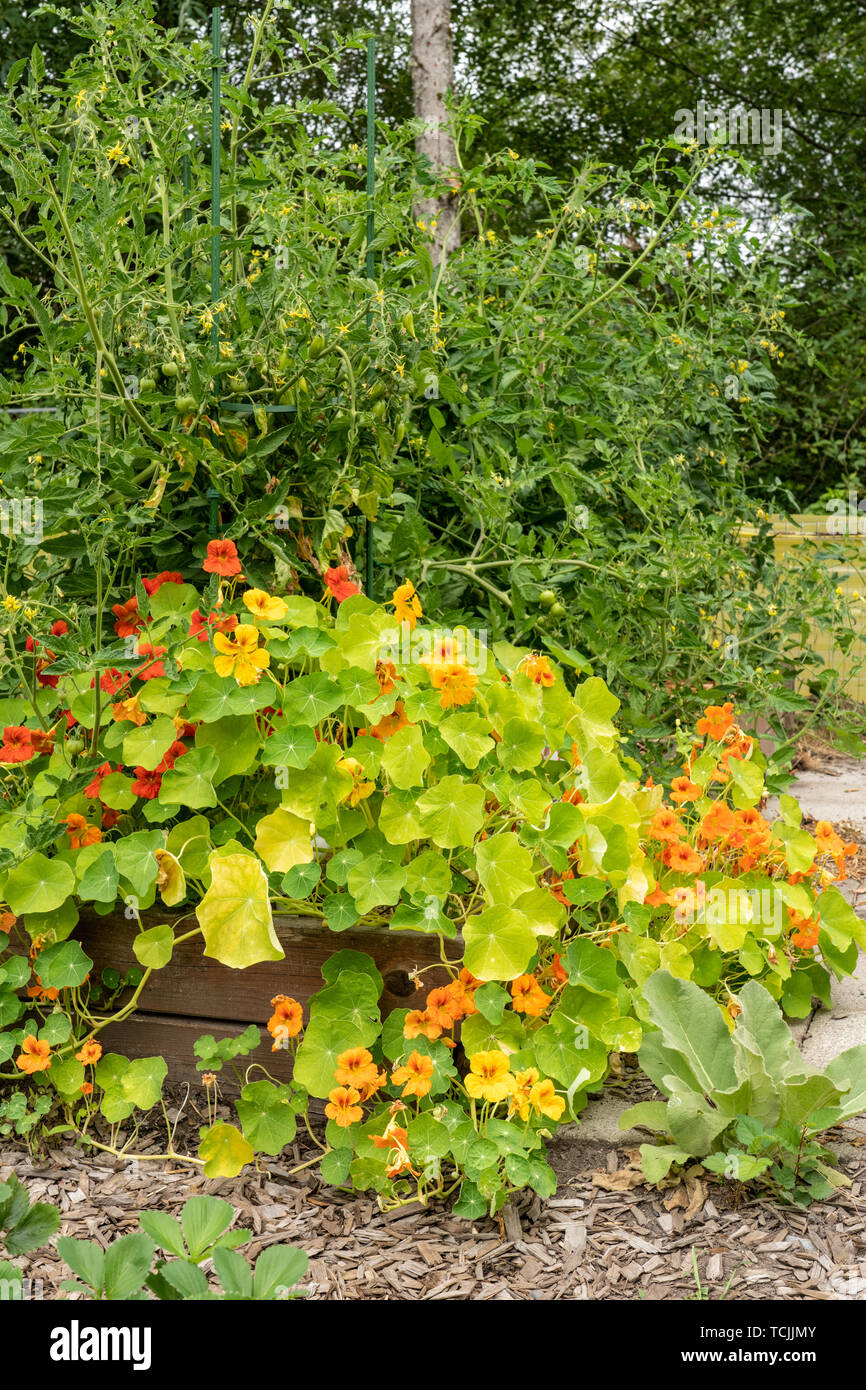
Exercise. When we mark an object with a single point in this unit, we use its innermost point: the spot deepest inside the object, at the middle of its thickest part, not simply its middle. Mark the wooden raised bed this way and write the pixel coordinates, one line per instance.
(194, 995)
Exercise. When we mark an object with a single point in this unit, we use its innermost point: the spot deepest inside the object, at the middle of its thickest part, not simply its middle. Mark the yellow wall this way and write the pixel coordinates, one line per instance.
(846, 532)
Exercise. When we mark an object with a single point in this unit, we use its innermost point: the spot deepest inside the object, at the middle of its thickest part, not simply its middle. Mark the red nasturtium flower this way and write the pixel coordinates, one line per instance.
(154, 669)
(202, 630)
(59, 628)
(147, 784)
(339, 584)
(222, 558)
(34, 1056)
(128, 621)
(152, 586)
(17, 744)
(91, 791)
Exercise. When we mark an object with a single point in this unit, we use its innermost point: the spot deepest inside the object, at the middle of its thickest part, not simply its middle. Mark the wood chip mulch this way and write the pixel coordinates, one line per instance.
(587, 1242)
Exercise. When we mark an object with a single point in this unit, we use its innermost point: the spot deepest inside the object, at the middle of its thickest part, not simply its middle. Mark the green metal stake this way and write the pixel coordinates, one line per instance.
(215, 210)
(215, 158)
(371, 232)
(187, 216)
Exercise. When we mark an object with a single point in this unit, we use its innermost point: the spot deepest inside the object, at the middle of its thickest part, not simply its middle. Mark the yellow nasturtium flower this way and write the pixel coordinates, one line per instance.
(407, 605)
(240, 654)
(265, 606)
(489, 1077)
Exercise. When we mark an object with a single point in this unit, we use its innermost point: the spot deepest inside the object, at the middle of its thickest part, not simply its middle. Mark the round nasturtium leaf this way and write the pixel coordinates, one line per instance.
(235, 912)
(283, 840)
(225, 1151)
(38, 884)
(63, 966)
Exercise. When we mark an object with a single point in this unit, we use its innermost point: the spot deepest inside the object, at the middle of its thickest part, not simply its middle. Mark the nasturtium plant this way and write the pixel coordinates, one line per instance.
(342, 760)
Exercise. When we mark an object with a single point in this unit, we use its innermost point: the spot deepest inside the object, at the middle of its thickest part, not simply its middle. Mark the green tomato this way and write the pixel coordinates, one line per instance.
(73, 745)
(147, 383)
(317, 346)
(558, 610)
(547, 598)
(184, 404)
(170, 369)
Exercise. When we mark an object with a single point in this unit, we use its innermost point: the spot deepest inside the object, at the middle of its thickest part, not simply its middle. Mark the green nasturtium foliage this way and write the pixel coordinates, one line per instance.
(368, 775)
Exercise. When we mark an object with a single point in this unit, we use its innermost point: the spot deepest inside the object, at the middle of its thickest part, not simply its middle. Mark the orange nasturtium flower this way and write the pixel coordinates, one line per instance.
(265, 606)
(339, 584)
(718, 720)
(90, 1053)
(396, 1140)
(440, 1006)
(286, 1021)
(128, 620)
(806, 930)
(538, 669)
(717, 823)
(35, 1055)
(684, 789)
(420, 1022)
(455, 682)
(656, 898)
(416, 1076)
(666, 826)
(129, 711)
(240, 655)
(683, 859)
(489, 1077)
(391, 723)
(80, 833)
(222, 558)
(356, 1068)
(343, 1107)
(407, 605)
(528, 996)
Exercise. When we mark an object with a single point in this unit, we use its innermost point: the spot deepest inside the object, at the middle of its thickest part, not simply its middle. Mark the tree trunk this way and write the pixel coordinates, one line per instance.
(432, 67)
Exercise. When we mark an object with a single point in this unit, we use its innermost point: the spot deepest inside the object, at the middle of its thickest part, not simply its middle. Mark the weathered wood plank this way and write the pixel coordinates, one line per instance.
(164, 1035)
(194, 986)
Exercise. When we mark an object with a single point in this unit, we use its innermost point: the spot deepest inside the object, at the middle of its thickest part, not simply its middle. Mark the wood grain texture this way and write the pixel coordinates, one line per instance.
(194, 986)
(165, 1035)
